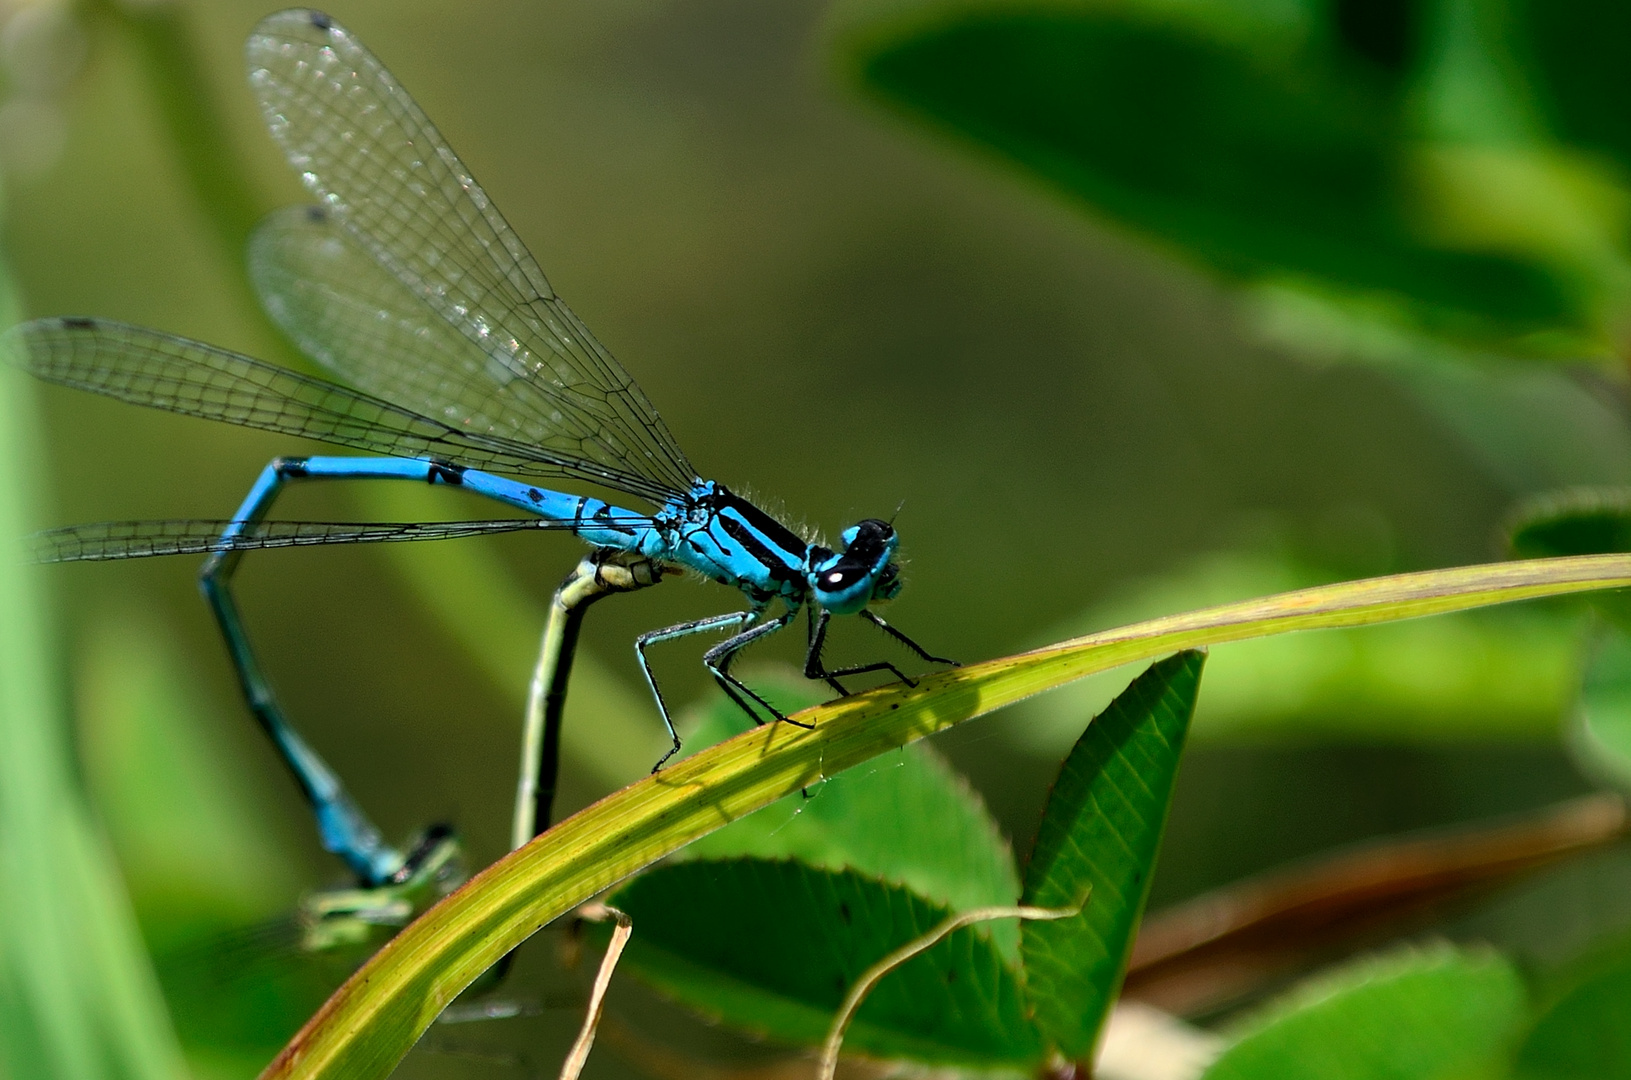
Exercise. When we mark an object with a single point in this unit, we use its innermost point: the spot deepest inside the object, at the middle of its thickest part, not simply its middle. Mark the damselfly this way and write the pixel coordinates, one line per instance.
(407, 282)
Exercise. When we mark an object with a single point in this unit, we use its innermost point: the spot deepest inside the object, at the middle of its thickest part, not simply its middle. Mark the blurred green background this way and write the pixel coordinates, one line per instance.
(1116, 359)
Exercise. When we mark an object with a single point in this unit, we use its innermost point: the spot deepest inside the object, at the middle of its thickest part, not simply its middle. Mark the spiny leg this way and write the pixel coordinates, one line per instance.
(904, 640)
(344, 828)
(815, 669)
(671, 633)
(718, 660)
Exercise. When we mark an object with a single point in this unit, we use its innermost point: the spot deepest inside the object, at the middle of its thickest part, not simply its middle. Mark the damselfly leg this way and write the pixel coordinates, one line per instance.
(814, 668)
(673, 633)
(718, 660)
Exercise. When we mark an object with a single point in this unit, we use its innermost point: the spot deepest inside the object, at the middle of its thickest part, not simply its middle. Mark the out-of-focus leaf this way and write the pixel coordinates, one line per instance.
(1493, 674)
(1099, 836)
(1576, 57)
(213, 887)
(1594, 521)
(905, 818)
(772, 946)
(78, 1000)
(1582, 1034)
(1431, 1013)
(1603, 718)
(1230, 944)
(1390, 161)
(190, 834)
(1579, 521)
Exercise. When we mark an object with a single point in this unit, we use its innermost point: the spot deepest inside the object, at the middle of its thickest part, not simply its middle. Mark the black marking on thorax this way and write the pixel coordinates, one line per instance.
(769, 527)
(777, 566)
(781, 566)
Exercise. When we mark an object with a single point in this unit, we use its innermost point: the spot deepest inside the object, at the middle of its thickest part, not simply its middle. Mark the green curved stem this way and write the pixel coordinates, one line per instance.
(371, 1021)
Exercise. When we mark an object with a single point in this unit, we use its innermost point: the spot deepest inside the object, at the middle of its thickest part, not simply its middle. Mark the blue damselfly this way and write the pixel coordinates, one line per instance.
(404, 280)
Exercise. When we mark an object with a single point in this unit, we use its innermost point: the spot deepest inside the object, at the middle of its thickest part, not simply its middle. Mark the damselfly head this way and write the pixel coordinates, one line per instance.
(845, 583)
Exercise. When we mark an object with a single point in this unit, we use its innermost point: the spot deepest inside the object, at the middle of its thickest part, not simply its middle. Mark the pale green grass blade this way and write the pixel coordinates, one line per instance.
(1576, 521)
(78, 1000)
(1494, 674)
(370, 1022)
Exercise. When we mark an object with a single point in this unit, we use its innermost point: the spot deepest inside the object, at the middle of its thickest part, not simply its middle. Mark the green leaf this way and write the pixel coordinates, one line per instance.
(371, 1021)
(1577, 54)
(905, 818)
(772, 947)
(1582, 1033)
(1275, 145)
(1432, 1014)
(1099, 836)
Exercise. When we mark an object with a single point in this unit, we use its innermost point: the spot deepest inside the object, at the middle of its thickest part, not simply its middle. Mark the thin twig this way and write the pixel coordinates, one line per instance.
(579, 1053)
(870, 978)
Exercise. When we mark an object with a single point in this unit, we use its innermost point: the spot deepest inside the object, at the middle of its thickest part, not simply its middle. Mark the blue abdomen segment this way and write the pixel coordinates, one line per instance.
(709, 529)
(595, 521)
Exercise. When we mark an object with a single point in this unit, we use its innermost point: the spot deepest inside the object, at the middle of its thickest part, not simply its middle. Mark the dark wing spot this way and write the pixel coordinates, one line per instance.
(321, 21)
(78, 322)
(316, 215)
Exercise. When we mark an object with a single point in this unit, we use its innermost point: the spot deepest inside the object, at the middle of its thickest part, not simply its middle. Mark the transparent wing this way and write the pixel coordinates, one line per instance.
(148, 367)
(385, 174)
(348, 314)
(107, 540)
